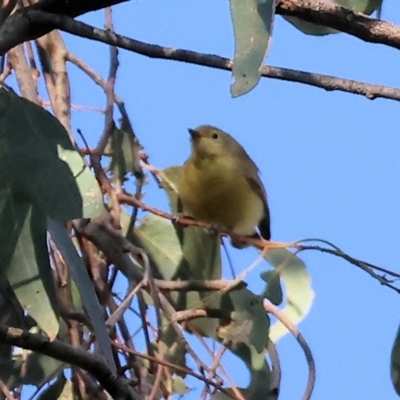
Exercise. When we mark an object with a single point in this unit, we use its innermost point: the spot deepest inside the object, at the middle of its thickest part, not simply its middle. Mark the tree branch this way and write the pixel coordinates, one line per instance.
(33, 21)
(118, 387)
(326, 82)
(24, 24)
(333, 16)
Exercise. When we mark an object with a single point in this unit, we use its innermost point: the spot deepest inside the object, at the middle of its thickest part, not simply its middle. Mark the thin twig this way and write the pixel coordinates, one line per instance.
(206, 285)
(233, 387)
(274, 310)
(276, 372)
(6, 391)
(174, 366)
(367, 267)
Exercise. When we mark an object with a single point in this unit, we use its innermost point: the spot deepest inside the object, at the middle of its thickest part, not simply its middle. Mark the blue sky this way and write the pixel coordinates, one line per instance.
(330, 163)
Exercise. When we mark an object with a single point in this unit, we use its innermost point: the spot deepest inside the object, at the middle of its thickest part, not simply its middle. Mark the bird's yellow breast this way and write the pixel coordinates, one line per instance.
(214, 191)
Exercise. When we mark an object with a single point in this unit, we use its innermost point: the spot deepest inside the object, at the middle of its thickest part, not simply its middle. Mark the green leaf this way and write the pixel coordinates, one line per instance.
(11, 314)
(260, 376)
(61, 389)
(170, 182)
(273, 291)
(363, 6)
(252, 22)
(299, 294)
(24, 261)
(249, 323)
(54, 390)
(91, 196)
(125, 148)
(308, 27)
(178, 386)
(395, 363)
(38, 160)
(41, 369)
(158, 238)
(11, 371)
(80, 275)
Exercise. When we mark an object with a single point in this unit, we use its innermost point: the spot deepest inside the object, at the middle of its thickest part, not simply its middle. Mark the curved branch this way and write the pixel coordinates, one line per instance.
(274, 310)
(118, 387)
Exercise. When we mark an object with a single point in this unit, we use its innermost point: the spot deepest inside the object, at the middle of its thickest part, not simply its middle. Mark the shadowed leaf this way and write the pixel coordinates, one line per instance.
(80, 276)
(273, 291)
(24, 260)
(38, 160)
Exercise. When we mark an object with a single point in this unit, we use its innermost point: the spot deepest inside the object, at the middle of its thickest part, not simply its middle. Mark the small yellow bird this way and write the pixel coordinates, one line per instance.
(220, 184)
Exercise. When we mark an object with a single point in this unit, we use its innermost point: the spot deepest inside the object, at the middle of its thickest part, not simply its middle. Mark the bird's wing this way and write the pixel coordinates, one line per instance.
(250, 171)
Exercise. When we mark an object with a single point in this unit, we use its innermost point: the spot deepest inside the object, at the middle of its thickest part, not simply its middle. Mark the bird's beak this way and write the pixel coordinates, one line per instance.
(194, 134)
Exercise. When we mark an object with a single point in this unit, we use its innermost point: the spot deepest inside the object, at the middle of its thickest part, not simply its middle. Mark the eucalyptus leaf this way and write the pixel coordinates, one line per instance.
(299, 294)
(24, 260)
(80, 275)
(259, 372)
(41, 369)
(124, 148)
(395, 363)
(38, 160)
(11, 314)
(10, 371)
(252, 22)
(249, 324)
(308, 27)
(161, 243)
(273, 291)
(54, 390)
(363, 6)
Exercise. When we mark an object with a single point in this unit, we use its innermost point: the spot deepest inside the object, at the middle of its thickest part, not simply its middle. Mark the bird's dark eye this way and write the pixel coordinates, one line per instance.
(215, 135)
